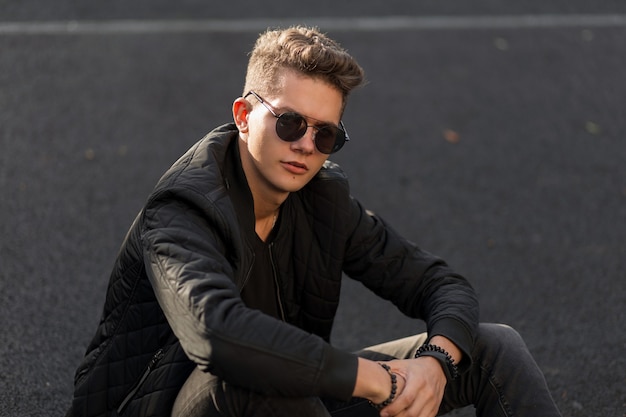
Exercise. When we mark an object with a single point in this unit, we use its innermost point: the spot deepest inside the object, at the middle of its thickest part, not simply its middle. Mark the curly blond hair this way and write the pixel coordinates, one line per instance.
(306, 51)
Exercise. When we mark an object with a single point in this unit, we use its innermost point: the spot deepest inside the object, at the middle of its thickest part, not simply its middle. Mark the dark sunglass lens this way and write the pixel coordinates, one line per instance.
(329, 139)
(290, 126)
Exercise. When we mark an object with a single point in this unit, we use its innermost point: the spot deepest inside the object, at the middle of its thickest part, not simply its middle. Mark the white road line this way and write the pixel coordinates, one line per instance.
(369, 24)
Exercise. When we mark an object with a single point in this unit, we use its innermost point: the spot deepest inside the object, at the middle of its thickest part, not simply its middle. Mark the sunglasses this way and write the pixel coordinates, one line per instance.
(291, 126)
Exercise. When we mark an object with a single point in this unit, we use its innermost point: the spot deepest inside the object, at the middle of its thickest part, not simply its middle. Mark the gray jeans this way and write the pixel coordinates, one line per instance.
(504, 380)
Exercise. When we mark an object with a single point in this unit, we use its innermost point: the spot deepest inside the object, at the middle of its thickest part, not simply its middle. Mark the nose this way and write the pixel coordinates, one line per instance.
(306, 143)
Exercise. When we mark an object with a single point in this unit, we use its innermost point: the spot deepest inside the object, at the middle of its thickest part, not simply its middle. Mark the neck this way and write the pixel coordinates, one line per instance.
(267, 198)
(264, 225)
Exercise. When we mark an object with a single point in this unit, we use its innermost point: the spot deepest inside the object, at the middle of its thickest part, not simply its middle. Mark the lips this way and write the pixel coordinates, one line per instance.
(295, 167)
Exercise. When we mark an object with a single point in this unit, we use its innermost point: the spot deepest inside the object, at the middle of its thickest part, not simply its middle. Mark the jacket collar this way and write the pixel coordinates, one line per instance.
(237, 186)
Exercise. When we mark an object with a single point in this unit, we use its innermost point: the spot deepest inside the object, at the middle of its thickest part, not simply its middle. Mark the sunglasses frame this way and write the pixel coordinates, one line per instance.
(341, 128)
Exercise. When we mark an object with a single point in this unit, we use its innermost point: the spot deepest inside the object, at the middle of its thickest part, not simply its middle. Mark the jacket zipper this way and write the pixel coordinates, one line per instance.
(151, 365)
(280, 301)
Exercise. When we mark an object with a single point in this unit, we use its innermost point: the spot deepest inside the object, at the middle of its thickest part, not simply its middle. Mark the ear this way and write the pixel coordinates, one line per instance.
(241, 112)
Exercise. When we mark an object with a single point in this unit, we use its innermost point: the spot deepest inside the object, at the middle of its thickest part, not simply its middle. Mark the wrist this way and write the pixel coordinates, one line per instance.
(392, 391)
(446, 361)
(373, 381)
(455, 353)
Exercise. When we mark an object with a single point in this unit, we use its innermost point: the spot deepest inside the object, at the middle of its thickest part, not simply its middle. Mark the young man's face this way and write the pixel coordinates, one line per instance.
(271, 164)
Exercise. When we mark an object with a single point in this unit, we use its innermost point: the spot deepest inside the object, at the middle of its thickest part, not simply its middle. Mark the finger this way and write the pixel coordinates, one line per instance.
(426, 404)
(423, 402)
(402, 402)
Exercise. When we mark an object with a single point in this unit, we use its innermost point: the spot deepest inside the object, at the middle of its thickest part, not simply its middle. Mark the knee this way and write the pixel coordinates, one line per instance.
(498, 330)
(199, 395)
(497, 337)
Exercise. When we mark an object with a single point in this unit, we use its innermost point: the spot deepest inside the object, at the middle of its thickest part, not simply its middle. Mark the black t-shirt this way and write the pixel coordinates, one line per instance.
(259, 291)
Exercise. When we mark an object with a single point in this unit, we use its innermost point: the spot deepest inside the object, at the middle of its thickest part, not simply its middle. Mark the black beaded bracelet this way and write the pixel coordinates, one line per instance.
(394, 388)
(444, 358)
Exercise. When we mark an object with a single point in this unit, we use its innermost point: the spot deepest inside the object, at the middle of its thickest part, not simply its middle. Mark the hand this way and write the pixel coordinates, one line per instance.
(421, 384)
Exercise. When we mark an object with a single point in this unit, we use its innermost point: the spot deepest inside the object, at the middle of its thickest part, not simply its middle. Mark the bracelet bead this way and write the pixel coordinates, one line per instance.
(394, 388)
(444, 358)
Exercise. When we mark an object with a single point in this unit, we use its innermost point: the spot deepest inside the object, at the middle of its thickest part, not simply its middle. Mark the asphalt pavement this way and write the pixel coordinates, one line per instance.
(490, 134)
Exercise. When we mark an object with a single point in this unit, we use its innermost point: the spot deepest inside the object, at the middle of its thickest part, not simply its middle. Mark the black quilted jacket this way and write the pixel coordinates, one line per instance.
(173, 298)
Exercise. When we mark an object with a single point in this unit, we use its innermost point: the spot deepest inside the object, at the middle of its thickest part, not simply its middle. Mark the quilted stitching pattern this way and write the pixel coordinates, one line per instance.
(318, 259)
(124, 344)
(134, 326)
(157, 394)
(310, 265)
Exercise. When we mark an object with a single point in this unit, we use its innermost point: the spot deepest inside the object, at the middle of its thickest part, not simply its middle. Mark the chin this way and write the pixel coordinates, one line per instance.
(292, 186)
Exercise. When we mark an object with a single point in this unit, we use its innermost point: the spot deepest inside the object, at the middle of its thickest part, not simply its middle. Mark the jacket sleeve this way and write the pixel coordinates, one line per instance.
(188, 254)
(420, 284)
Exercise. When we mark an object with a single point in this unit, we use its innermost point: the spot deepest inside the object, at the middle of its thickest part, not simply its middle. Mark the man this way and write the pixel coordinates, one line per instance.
(222, 299)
